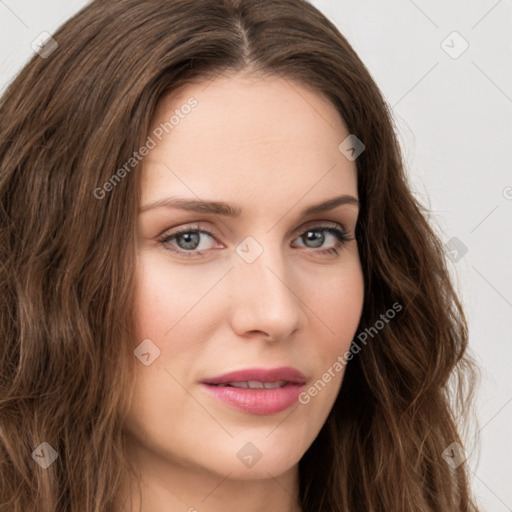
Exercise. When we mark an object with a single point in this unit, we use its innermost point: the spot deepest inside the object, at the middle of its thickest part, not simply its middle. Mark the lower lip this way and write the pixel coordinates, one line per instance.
(257, 401)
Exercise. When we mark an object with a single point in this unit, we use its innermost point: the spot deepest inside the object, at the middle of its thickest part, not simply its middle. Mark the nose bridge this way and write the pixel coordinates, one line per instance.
(265, 297)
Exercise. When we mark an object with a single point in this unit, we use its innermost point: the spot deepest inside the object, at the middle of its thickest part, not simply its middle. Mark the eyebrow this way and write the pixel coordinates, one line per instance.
(230, 210)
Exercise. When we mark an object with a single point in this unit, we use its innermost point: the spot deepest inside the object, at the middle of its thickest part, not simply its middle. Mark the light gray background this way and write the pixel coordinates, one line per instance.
(454, 118)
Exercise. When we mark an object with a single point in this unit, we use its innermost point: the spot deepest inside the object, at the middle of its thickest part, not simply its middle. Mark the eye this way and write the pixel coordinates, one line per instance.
(315, 236)
(186, 241)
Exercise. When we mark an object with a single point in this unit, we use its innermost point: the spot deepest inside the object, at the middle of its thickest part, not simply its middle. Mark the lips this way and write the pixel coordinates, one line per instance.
(257, 390)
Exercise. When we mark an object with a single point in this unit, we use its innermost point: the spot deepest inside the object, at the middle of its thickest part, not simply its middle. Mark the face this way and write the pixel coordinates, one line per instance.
(263, 287)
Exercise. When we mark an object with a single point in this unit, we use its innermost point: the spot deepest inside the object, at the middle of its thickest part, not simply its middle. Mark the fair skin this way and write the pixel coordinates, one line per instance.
(271, 150)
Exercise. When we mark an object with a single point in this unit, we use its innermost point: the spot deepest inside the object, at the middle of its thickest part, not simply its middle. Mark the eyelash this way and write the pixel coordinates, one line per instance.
(333, 229)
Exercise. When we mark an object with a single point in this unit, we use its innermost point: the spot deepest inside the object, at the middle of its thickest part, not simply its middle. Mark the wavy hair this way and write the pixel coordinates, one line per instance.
(69, 120)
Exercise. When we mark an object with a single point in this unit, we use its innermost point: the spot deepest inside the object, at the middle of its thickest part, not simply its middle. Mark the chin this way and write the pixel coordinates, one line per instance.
(259, 459)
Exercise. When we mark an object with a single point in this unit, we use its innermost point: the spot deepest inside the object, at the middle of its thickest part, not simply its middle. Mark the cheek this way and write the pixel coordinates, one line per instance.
(165, 293)
(158, 307)
(337, 303)
(338, 306)
(174, 310)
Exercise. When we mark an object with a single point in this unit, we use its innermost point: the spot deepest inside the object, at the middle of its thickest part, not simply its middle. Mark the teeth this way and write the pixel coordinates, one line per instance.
(274, 385)
(239, 384)
(254, 384)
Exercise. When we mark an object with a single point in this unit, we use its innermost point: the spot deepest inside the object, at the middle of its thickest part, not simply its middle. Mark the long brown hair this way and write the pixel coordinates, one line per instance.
(70, 120)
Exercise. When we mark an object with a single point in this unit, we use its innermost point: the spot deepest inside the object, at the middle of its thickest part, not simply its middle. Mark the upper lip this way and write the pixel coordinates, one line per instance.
(286, 373)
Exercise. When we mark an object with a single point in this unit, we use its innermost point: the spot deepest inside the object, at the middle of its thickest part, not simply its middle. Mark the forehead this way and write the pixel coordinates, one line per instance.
(254, 134)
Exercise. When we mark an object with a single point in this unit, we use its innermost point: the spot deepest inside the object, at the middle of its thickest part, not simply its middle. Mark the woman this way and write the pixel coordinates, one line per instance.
(218, 292)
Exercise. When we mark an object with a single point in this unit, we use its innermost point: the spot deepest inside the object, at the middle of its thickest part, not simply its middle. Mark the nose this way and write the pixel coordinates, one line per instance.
(265, 297)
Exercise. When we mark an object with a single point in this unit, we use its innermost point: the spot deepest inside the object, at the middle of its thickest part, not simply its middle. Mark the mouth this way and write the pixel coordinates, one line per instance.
(258, 390)
(253, 384)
